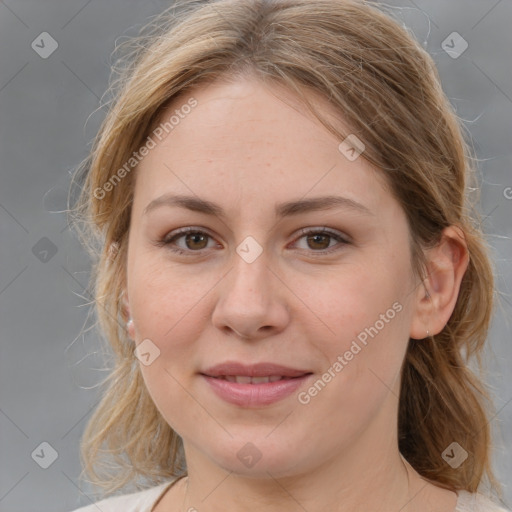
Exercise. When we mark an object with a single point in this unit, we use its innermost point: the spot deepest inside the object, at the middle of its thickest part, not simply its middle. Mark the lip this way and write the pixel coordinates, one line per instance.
(253, 370)
(254, 395)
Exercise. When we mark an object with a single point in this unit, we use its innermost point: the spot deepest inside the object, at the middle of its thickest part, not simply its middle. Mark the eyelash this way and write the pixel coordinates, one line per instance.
(167, 241)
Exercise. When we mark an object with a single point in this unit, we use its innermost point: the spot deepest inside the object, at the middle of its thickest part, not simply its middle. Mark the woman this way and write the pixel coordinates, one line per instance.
(289, 274)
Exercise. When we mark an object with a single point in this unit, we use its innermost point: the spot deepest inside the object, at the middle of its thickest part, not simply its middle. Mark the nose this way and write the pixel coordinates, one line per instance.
(252, 301)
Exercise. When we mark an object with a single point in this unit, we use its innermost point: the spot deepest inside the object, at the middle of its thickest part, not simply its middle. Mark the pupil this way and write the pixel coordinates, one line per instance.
(194, 237)
(319, 236)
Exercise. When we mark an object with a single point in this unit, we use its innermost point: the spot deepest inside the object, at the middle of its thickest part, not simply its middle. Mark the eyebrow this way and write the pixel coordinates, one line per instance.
(287, 209)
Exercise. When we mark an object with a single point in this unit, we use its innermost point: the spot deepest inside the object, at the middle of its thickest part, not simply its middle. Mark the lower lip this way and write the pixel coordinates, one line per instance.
(254, 395)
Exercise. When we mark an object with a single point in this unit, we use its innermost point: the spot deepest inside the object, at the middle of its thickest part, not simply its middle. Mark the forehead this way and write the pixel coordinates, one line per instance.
(243, 138)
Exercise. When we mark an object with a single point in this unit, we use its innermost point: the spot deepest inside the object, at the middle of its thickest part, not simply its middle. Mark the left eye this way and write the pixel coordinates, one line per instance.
(196, 240)
(322, 238)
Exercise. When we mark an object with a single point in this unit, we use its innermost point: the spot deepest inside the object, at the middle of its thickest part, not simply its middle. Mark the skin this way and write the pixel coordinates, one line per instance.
(249, 146)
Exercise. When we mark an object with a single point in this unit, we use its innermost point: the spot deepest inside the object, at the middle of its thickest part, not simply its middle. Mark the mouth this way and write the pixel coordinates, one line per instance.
(245, 379)
(254, 385)
(234, 370)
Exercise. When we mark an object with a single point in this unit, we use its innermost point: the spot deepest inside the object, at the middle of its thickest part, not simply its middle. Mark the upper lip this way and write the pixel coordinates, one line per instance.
(253, 370)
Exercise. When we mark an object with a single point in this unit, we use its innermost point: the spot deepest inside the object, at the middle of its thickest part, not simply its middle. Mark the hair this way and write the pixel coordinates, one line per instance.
(386, 89)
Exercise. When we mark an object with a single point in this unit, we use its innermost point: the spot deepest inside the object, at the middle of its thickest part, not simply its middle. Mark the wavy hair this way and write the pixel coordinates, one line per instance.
(386, 88)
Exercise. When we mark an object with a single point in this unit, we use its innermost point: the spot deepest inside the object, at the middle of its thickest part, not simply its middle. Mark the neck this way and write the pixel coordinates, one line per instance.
(377, 478)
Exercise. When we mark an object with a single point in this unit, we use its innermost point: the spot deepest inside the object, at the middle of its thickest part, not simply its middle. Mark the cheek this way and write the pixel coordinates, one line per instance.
(361, 376)
(165, 305)
(364, 321)
(171, 398)
(355, 301)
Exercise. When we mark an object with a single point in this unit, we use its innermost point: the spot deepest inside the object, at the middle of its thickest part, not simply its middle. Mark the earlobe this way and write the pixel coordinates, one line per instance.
(438, 293)
(130, 328)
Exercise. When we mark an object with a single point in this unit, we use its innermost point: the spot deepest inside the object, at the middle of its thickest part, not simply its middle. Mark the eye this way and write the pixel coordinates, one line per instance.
(321, 239)
(194, 240)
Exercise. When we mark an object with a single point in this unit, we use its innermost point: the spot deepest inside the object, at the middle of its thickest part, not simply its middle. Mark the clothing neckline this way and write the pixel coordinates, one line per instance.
(463, 497)
(165, 487)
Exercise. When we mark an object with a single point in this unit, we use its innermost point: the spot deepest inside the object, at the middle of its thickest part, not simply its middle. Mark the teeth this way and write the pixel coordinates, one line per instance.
(244, 379)
(260, 380)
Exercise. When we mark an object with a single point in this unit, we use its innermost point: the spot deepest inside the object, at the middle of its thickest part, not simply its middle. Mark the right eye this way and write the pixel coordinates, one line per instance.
(194, 240)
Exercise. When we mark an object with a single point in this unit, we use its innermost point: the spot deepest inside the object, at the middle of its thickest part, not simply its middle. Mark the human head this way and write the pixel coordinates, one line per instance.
(373, 74)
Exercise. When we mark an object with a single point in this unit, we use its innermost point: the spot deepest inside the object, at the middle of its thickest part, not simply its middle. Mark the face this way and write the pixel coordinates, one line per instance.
(269, 273)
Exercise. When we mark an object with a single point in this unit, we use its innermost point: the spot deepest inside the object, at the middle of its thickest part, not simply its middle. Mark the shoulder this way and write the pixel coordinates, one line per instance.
(141, 501)
(477, 502)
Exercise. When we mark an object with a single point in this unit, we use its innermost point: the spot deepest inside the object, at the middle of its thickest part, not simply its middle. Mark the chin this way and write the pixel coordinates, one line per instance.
(259, 458)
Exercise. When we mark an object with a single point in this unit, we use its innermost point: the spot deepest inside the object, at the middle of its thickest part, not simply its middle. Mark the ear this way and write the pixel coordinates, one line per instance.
(126, 303)
(437, 294)
(129, 322)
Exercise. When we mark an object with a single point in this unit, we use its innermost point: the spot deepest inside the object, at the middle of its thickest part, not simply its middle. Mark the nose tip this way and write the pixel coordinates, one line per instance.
(251, 302)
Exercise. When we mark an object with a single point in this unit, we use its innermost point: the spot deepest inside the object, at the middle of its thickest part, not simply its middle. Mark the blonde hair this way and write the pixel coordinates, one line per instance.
(387, 90)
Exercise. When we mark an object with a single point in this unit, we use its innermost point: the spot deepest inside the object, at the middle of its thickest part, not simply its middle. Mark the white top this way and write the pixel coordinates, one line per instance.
(144, 501)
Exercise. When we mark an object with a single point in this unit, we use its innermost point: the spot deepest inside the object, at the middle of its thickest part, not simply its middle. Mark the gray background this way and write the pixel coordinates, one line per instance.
(48, 116)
